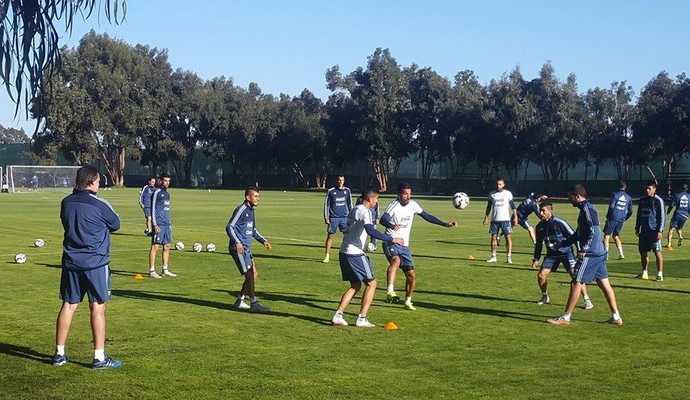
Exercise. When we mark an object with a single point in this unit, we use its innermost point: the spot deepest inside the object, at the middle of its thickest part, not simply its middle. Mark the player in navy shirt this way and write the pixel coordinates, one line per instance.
(241, 229)
(162, 228)
(591, 257)
(552, 230)
(528, 206)
(620, 210)
(651, 220)
(681, 202)
(145, 203)
(87, 222)
(335, 211)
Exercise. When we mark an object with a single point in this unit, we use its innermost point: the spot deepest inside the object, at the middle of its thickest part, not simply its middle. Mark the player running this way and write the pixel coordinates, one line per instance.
(501, 201)
(398, 220)
(335, 211)
(620, 210)
(528, 206)
(681, 201)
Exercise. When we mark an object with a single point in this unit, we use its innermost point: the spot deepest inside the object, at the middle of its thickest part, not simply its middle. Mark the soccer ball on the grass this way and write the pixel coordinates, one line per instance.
(20, 258)
(197, 247)
(460, 200)
(210, 247)
(39, 243)
(179, 246)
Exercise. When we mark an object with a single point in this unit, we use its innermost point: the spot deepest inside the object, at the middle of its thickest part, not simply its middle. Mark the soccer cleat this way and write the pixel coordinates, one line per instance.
(364, 323)
(59, 360)
(107, 363)
(659, 278)
(509, 260)
(618, 321)
(558, 321)
(544, 300)
(147, 232)
(642, 276)
(680, 241)
(588, 304)
(409, 306)
(166, 272)
(258, 308)
(326, 259)
(493, 259)
(240, 305)
(621, 257)
(392, 297)
(371, 247)
(338, 320)
(154, 274)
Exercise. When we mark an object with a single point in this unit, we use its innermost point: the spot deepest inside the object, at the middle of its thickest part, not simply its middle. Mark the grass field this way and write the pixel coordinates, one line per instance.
(477, 332)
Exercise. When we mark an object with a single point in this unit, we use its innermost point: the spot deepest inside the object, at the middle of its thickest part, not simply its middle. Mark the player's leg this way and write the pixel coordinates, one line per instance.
(410, 284)
(606, 288)
(348, 274)
(542, 281)
(659, 265)
(393, 265)
(532, 235)
(680, 236)
(166, 252)
(329, 244)
(509, 248)
(619, 245)
(493, 231)
(669, 236)
(98, 327)
(245, 265)
(367, 297)
(348, 296)
(644, 261)
(62, 325)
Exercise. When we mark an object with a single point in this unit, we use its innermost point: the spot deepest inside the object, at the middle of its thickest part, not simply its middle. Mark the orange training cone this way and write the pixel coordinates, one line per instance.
(390, 326)
(470, 257)
(138, 276)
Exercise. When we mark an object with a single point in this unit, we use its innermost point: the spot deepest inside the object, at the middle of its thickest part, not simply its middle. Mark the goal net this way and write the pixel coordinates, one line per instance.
(25, 178)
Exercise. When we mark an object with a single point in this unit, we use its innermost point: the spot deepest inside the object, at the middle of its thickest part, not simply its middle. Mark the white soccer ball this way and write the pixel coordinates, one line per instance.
(210, 247)
(20, 258)
(197, 247)
(371, 247)
(39, 243)
(461, 200)
(179, 246)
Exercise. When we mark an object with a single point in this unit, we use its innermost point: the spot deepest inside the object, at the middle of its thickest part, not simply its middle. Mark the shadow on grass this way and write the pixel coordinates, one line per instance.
(314, 246)
(472, 296)
(113, 271)
(482, 311)
(25, 352)
(141, 295)
(656, 288)
(277, 257)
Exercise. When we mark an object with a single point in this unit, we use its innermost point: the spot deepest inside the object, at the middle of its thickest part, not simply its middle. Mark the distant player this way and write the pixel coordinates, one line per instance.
(145, 197)
(355, 266)
(335, 211)
(503, 218)
(528, 206)
(552, 230)
(591, 258)
(374, 218)
(681, 201)
(651, 220)
(241, 229)
(620, 210)
(398, 219)
(162, 230)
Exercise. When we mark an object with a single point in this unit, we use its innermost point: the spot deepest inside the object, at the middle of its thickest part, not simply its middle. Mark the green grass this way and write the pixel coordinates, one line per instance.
(477, 333)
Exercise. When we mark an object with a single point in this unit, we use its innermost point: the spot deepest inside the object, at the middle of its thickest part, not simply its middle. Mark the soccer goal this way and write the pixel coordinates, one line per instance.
(5, 185)
(36, 177)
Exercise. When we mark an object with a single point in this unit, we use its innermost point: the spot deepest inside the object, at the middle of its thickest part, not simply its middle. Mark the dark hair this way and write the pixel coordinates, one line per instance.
(500, 179)
(651, 183)
(685, 186)
(574, 190)
(164, 175)
(622, 185)
(86, 176)
(545, 204)
(368, 191)
(251, 189)
(402, 186)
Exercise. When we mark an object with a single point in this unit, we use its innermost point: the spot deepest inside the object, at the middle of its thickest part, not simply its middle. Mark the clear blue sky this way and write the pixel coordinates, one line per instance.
(286, 46)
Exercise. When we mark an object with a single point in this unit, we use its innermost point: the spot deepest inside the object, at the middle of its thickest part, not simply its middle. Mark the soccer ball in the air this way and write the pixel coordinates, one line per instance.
(39, 243)
(20, 258)
(210, 247)
(197, 247)
(460, 200)
(179, 246)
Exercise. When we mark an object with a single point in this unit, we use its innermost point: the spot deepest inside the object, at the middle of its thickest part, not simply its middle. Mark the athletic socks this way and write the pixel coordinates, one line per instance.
(60, 350)
(616, 316)
(99, 354)
(391, 288)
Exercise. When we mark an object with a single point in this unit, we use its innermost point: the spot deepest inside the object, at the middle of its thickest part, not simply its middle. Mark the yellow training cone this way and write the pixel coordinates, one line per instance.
(470, 257)
(390, 326)
(138, 276)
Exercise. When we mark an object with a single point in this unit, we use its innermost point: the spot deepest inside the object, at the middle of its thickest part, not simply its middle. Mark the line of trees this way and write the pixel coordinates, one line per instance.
(114, 101)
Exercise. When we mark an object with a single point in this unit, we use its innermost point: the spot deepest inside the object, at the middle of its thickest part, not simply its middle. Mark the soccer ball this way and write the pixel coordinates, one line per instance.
(371, 247)
(179, 246)
(461, 200)
(39, 243)
(20, 258)
(197, 247)
(210, 247)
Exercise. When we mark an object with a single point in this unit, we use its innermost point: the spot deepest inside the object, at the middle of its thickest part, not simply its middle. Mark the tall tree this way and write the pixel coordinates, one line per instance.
(380, 94)
(11, 135)
(29, 40)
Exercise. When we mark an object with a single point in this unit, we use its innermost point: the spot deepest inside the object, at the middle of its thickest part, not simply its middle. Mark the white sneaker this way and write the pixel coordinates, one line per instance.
(371, 247)
(166, 272)
(492, 259)
(240, 305)
(364, 323)
(338, 320)
(588, 304)
(154, 274)
(509, 260)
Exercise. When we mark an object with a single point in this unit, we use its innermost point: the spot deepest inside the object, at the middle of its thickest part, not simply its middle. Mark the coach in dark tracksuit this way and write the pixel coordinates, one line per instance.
(87, 221)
